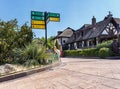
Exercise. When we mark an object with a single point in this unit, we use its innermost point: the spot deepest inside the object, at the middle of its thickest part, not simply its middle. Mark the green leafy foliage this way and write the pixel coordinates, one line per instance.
(12, 36)
(50, 42)
(72, 53)
(32, 55)
(88, 52)
(17, 45)
(104, 44)
(104, 52)
(84, 52)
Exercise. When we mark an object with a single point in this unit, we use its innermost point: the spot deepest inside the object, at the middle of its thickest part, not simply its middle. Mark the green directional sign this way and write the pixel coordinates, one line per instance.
(36, 13)
(37, 18)
(56, 15)
(53, 17)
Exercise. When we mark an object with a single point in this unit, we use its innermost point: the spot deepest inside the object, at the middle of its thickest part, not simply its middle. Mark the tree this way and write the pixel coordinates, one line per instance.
(50, 42)
(25, 35)
(12, 37)
(7, 35)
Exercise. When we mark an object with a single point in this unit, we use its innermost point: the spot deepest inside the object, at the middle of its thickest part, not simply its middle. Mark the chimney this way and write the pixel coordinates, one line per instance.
(93, 21)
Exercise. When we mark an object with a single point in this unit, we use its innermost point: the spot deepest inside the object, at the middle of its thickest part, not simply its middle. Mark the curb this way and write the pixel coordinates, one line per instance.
(26, 73)
(109, 58)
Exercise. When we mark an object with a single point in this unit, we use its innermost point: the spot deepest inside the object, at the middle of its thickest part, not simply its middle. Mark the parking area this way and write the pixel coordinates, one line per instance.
(73, 73)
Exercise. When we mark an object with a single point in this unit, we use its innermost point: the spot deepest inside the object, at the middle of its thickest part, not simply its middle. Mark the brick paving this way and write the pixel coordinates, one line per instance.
(73, 73)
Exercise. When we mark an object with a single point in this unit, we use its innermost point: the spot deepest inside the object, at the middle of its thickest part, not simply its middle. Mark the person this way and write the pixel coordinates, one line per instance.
(57, 51)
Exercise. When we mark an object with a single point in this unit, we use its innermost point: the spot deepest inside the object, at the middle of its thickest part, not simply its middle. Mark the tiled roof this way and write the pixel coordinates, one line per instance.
(67, 32)
(72, 38)
(77, 34)
(97, 30)
(91, 31)
(117, 20)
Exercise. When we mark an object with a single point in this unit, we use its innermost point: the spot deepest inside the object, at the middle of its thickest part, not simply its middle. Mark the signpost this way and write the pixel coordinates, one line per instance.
(39, 20)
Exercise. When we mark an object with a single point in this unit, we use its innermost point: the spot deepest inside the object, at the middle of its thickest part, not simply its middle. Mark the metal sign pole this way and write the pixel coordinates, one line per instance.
(39, 20)
(45, 13)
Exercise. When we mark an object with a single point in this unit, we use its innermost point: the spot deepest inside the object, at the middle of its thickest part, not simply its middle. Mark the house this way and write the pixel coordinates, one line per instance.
(63, 36)
(89, 35)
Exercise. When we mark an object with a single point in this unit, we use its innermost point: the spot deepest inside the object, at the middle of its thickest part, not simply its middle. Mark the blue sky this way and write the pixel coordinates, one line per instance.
(74, 13)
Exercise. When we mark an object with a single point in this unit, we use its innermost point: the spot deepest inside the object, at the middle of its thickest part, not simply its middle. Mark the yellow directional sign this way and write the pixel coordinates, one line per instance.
(54, 19)
(38, 26)
(37, 22)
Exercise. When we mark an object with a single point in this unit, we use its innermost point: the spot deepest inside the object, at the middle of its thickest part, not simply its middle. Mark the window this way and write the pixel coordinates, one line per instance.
(63, 41)
(82, 33)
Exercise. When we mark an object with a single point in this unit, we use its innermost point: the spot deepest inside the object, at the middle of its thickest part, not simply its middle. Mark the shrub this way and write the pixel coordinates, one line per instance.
(32, 62)
(84, 52)
(34, 52)
(31, 55)
(104, 52)
(88, 52)
(72, 53)
(104, 44)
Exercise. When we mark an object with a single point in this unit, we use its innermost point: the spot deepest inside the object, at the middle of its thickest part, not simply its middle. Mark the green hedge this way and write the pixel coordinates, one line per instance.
(77, 53)
(91, 52)
(104, 44)
(102, 50)
(72, 53)
(88, 52)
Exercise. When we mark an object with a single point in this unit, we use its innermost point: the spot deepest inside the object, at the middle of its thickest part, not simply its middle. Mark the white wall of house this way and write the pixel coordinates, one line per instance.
(104, 32)
(75, 45)
(68, 46)
(64, 40)
(110, 26)
(82, 43)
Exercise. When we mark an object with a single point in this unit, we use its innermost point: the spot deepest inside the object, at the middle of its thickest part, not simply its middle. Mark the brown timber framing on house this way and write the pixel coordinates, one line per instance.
(91, 35)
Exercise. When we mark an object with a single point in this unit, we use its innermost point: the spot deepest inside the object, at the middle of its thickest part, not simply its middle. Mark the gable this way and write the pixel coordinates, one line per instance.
(109, 30)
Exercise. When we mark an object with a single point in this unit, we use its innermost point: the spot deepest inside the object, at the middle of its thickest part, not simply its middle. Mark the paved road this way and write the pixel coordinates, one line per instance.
(74, 73)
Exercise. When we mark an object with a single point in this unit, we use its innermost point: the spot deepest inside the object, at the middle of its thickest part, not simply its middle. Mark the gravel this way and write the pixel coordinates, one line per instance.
(10, 68)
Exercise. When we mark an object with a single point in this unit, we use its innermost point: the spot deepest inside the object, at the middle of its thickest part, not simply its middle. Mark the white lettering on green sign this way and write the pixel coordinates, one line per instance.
(57, 15)
(37, 18)
(36, 13)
